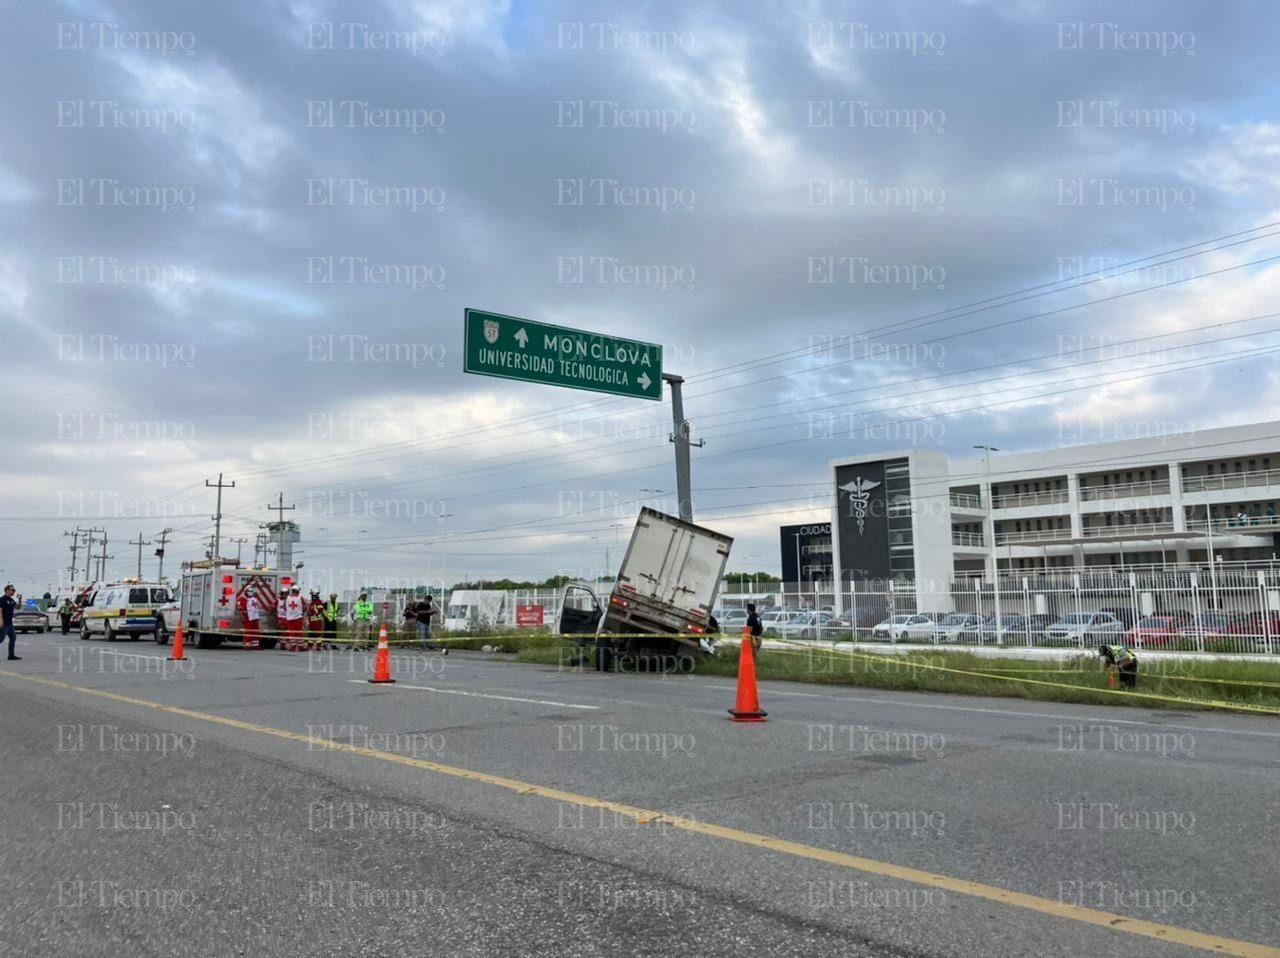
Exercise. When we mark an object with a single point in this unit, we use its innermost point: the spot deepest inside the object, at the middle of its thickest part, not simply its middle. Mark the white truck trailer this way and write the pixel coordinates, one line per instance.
(660, 606)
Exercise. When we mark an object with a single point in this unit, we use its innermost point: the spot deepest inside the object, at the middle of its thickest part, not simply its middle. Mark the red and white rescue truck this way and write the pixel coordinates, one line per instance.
(214, 599)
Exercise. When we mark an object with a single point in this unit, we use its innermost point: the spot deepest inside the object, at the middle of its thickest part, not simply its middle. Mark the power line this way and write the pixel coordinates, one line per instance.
(977, 306)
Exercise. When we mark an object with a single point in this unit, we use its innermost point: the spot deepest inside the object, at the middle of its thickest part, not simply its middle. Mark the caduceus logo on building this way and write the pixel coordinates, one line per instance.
(859, 498)
(490, 331)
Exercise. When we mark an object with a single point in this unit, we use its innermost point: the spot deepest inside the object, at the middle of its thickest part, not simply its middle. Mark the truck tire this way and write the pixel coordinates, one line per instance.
(84, 630)
(107, 634)
(206, 641)
(161, 634)
(267, 642)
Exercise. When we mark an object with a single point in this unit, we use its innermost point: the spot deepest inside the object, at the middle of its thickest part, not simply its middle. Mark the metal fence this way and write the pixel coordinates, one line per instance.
(1232, 610)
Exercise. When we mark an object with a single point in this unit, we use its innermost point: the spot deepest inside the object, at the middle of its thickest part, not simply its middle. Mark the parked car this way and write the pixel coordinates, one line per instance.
(1125, 615)
(30, 618)
(1037, 624)
(1013, 629)
(1084, 628)
(782, 624)
(916, 625)
(866, 617)
(732, 620)
(817, 625)
(1257, 629)
(955, 626)
(1212, 623)
(1153, 632)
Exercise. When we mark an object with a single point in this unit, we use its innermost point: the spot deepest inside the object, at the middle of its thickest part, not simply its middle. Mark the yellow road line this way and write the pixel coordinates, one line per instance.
(871, 866)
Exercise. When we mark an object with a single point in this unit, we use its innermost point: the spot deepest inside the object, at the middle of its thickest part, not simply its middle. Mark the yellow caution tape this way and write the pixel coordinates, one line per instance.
(1206, 703)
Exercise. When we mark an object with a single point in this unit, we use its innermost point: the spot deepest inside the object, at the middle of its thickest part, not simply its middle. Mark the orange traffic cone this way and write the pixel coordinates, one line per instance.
(382, 660)
(748, 708)
(177, 645)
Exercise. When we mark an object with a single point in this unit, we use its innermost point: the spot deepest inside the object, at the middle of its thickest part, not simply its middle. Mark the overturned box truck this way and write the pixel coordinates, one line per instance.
(658, 613)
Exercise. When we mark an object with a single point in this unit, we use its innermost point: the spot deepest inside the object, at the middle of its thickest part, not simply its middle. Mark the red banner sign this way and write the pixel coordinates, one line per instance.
(529, 616)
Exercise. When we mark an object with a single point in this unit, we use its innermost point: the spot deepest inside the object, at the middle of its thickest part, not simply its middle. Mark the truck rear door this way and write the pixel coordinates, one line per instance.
(676, 564)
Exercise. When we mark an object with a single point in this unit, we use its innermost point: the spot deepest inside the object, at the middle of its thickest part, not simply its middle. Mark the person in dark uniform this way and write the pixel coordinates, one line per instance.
(8, 605)
(65, 611)
(754, 626)
(1124, 660)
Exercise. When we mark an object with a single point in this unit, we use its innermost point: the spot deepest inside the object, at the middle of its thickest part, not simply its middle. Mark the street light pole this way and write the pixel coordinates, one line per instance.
(1213, 565)
(991, 522)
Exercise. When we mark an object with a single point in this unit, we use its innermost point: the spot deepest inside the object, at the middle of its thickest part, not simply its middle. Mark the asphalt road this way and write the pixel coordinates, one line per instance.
(480, 807)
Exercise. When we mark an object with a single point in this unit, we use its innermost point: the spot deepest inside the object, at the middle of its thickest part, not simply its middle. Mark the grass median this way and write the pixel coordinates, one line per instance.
(1191, 683)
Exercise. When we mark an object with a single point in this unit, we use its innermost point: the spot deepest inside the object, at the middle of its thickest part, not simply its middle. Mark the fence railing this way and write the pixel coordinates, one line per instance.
(1185, 609)
(1125, 490)
(1030, 535)
(1133, 530)
(1014, 500)
(967, 538)
(1227, 526)
(1231, 480)
(966, 500)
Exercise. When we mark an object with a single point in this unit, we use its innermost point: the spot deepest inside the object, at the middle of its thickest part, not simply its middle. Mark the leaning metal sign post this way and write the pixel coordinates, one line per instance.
(509, 347)
(514, 348)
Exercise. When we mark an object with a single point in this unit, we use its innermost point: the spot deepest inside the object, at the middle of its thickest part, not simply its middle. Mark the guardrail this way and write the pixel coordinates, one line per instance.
(966, 500)
(968, 539)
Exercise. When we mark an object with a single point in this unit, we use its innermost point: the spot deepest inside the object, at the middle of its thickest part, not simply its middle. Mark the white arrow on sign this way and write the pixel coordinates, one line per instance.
(644, 380)
(522, 337)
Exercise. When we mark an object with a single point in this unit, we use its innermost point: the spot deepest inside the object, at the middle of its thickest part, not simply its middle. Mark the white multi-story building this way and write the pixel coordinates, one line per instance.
(918, 514)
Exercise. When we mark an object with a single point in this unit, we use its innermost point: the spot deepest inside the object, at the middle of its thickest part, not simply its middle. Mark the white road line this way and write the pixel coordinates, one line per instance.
(1100, 720)
(131, 655)
(488, 695)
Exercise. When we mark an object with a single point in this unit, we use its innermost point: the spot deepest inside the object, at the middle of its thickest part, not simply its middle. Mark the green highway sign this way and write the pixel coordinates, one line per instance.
(514, 348)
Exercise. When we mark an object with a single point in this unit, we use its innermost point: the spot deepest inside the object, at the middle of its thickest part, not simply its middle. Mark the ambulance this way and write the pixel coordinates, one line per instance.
(212, 596)
(124, 609)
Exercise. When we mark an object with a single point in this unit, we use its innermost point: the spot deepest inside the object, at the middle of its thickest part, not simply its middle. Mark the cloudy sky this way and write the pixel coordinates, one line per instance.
(239, 238)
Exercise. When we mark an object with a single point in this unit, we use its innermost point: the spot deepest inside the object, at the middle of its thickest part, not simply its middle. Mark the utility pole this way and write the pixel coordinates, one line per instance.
(164, 536)
(140, 543)
(75, 547)
(88, 553)
(217, 520)
(103, 557)
(282, 509)
(680, 436)
(991, 520)
(239, 542)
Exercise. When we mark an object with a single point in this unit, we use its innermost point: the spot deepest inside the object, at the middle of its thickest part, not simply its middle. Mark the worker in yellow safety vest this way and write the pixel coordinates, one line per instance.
(331, 613)
(1125, 662)
(363, 616)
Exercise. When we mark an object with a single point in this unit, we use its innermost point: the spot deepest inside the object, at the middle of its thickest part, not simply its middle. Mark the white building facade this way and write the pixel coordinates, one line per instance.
(919, 515)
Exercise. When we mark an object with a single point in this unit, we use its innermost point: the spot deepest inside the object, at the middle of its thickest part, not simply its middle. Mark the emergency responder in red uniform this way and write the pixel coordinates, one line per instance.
(315, 620)
(295, 610)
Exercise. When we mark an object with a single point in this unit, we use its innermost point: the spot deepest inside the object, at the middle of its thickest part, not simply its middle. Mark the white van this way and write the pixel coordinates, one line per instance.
(125, 608)
(479, 610)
